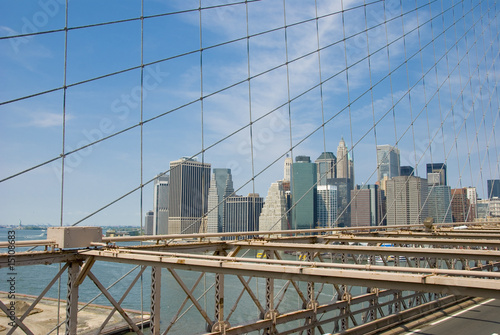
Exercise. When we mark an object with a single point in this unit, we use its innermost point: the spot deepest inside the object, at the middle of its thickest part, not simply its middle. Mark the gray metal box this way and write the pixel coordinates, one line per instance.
(74, 237)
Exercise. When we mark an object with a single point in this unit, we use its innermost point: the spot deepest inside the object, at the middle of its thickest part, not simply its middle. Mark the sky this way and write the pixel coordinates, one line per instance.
(417, 74)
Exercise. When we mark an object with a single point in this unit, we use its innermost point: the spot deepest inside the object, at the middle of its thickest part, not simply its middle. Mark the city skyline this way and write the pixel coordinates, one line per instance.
(90, 123)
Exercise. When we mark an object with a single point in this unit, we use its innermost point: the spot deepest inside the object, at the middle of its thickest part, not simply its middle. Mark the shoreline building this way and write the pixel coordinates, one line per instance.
(366, 206)
(405, 200)
(221, 187)
(188, 198)
(149, 223)
(303, 188)
(326, 206)
(160, 205)
(274, 214)
(242, 213)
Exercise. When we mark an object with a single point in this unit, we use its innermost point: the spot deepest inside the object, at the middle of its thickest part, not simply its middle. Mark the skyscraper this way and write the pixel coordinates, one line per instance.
(188, 200)
(493, 188)
(221, 186)
(303, 193)
(405, 200)
(326, 206)
(406, 171)
(342, 160)
(149, 223)
(439, 203)
(461, 208)
(437, 168)
(388, 159)
(325, 165)
(242, 213)
(344, 187)
(366, 206)
(160, 205)
(274, 214)
(287, 173)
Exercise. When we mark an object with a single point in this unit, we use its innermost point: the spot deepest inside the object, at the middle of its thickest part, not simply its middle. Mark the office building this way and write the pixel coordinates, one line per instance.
(388, 161)
(439, 203)
(326, 167)
(461, 208)
(342, 160)
(493, 188)
(149, 223)
(221, 187)
(405, 200)
(326, 206)
(242, 213)
(406, 171)
(274, 215)
(344, 187)
(488, 208)
(160, 205)
(366, 206)
(303, 188)
(287, 169)
(188, 199)
(437, 168)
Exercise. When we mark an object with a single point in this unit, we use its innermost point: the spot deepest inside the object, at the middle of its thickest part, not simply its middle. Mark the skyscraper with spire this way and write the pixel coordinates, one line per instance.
(221, 187)
(342, 160)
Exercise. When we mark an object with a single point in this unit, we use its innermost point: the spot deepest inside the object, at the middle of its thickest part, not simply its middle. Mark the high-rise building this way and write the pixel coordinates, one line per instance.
(160, 205)
(344, 187)
(488, 208)
(439, 168)
(242, 213)
(303, 188)
(406, 171)
(288, 169)
(405, 200)
(188, 199)
(493, 188)
(221, 187)
(439, 203)
(388, 161)
(461, 208)
(326, 206)
(342, 160)
(472, 197)
(274, 214)
(149, 223)
(326, 167)
(366, 206)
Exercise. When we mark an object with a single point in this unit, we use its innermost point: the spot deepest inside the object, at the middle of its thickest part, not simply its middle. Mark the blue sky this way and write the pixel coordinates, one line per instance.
(456, 99)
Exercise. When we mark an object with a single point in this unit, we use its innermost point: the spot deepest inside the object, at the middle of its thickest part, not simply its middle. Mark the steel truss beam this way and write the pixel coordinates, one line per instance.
(311, 272)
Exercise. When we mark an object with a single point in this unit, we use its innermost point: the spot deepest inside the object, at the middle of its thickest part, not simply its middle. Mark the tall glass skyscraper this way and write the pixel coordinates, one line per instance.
(188, 198)
(221, 187)
(406, 200)
(437, 171)
(388, 161)
(303, 193)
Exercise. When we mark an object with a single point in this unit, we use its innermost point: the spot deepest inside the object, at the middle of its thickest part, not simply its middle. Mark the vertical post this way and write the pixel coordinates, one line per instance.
(155, 299)
(311, 299)
(72, 299)
(270, 312)
(219, 324)
(344, 322)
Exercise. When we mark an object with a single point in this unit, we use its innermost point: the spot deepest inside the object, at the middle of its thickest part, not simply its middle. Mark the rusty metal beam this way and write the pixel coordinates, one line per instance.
(42, 257)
